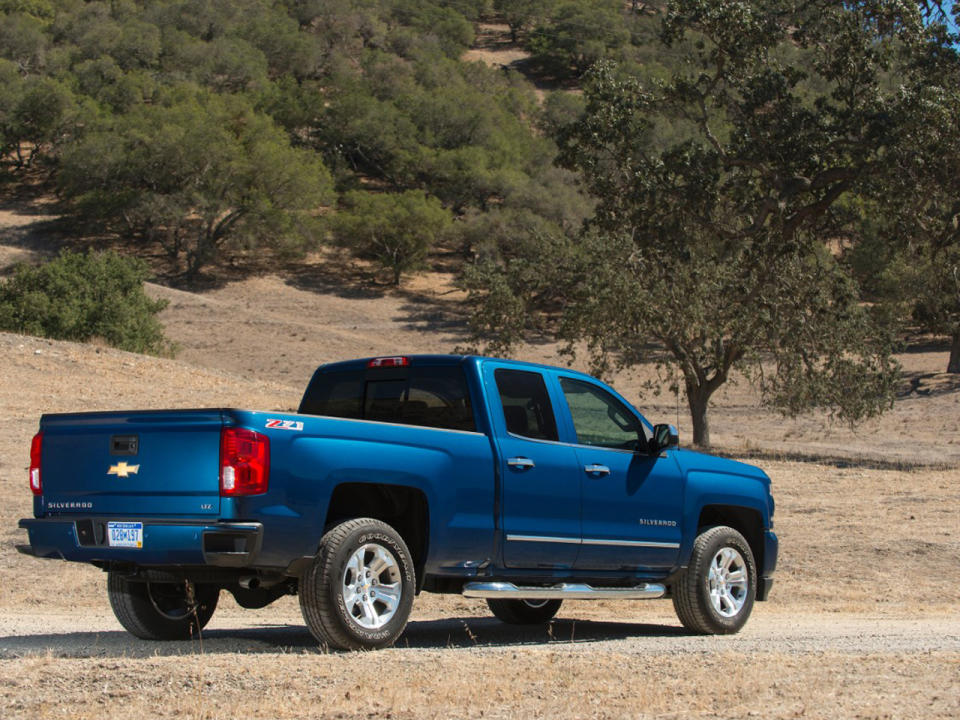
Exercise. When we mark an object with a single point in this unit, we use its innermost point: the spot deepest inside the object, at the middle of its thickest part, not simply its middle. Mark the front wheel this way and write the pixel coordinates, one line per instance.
(161, 611)
(358, 591)
(715, 594)
(524, 612)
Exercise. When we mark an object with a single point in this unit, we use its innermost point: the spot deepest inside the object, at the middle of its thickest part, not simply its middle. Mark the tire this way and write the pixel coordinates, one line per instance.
(161, 611)
(524, 612)
(344, 595)
(715, 594)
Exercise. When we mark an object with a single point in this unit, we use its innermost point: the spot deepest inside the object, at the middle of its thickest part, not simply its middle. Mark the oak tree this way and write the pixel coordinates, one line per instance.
(196, 172)
(723, 202)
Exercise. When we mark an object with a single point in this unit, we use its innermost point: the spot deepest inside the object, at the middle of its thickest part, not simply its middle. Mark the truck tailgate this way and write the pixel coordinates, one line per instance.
(145, 463)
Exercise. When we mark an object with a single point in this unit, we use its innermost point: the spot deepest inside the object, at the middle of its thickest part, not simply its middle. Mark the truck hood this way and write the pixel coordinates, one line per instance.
(691, 460)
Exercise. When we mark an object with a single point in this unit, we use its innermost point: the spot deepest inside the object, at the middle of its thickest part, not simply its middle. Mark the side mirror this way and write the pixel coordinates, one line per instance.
(664, 437)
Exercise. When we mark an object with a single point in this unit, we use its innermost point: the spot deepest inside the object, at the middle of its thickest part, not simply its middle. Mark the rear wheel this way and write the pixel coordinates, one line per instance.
(524, 612)
(715, 594)
(358, 591)
(161, 611)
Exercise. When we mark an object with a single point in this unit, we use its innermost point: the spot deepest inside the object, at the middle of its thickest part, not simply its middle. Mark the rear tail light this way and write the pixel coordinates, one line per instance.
(385, 362)
(36, 448)
(244, 462)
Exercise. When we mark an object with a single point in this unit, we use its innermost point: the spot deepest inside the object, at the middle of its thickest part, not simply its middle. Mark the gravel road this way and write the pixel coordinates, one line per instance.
(99, 635)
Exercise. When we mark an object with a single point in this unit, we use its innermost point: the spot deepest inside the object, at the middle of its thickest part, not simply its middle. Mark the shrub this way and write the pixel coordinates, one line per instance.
(82, 296)
(395, 229)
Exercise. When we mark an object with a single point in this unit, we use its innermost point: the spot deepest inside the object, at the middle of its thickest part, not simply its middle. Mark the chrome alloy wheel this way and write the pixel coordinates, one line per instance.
(371, 586)
(727, 582)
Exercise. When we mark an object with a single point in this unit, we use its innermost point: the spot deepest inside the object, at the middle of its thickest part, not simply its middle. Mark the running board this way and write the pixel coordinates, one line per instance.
(563, 591)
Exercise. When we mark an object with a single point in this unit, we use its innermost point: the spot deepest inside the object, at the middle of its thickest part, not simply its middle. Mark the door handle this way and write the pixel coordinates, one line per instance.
(521, 463)
(597, 470)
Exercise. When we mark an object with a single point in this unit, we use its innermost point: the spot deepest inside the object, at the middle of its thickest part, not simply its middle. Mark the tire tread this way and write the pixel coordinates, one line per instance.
(136, 613)
(515, 612)
(687, 602)
(317, 605)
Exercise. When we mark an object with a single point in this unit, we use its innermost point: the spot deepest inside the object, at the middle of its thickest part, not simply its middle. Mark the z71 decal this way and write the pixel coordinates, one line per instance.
(285, 424)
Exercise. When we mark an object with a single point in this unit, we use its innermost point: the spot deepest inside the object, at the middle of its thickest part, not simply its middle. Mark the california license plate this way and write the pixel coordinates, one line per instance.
(125, 534)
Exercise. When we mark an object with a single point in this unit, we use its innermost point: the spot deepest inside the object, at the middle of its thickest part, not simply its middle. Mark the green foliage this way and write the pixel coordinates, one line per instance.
(196, 172)
(35, 114)
(22, 40)
(104, 81)
(522, 15)
(39, 9)
(578, 34)
(452, 32)
(460, 130)
(908, 254)
(397, 229)
(84, 296)
(559, 110)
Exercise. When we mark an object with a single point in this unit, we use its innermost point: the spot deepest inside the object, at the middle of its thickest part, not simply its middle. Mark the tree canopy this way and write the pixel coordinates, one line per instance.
(395, 229)
(195, 171)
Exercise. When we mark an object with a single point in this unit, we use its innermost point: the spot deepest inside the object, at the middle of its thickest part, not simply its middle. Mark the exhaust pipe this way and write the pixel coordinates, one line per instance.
(250, 582)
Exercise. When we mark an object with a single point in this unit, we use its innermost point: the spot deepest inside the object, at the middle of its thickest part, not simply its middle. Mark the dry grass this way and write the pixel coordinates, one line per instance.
(541, 683)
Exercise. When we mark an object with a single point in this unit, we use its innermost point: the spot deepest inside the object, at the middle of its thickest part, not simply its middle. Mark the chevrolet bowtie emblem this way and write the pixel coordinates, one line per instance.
(123, 470)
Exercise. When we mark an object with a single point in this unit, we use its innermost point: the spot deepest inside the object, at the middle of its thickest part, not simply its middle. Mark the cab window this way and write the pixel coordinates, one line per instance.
(526, 404)
(599, 418)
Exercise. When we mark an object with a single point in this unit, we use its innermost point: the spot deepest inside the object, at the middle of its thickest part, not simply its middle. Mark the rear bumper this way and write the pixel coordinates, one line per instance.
(165, 542)
(771, 548)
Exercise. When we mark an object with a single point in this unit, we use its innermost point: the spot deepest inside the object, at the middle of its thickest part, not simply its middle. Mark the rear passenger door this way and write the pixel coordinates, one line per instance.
(540, 479)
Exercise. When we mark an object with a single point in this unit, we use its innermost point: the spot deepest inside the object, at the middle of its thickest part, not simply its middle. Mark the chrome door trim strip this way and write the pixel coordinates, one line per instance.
(632, 543)
(591, 541)
(544, 538)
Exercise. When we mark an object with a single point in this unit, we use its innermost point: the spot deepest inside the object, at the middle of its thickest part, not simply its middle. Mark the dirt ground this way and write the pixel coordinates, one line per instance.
(863, 621)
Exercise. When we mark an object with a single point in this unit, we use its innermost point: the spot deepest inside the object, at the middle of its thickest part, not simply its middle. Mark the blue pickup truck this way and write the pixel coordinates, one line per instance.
(519, 483)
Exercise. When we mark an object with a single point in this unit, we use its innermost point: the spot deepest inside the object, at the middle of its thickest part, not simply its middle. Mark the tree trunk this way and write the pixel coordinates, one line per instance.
(698, 401)
(701, 383)
(953, 365)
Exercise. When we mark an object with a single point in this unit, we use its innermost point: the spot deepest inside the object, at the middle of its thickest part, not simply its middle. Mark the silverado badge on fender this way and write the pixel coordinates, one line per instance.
(123, 470)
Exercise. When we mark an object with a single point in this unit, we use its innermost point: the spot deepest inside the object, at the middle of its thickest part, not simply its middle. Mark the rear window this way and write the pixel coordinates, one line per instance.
(430, 396)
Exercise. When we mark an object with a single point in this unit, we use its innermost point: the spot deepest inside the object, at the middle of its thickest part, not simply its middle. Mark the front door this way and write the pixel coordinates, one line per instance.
(631, 501)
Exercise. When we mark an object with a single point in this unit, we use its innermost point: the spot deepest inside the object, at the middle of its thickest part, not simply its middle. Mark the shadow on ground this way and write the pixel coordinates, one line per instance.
(455, 633)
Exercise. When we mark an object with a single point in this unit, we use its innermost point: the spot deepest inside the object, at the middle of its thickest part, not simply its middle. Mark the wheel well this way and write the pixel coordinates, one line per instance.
(404, 509)
(745, 521)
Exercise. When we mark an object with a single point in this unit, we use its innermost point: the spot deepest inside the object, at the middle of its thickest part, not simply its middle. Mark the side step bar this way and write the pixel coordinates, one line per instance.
(564, 591)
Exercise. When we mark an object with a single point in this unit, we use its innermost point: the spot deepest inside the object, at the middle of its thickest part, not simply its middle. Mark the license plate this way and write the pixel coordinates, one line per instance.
(125, 534)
